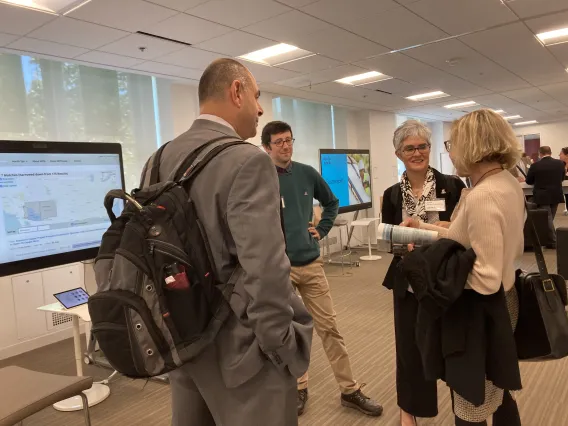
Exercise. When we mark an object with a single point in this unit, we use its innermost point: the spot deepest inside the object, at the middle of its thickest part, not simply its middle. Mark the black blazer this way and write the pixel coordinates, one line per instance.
(447, 187)
(547, 175)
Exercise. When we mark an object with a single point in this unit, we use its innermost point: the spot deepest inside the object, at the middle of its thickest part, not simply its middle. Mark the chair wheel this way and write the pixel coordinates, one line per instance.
(87, 360)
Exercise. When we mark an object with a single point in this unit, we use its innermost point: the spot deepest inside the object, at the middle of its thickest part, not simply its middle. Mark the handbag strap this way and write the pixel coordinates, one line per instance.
(539, 255)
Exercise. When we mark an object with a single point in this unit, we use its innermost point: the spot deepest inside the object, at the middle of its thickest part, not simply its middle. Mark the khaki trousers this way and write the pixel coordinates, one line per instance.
(311, 282)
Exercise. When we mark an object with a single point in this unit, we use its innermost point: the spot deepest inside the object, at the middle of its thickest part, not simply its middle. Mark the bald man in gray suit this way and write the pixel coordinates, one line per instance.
(247, 377)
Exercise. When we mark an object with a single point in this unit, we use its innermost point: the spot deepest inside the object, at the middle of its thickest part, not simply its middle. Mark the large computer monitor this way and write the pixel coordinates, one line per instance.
(51, 200)
(348, 174)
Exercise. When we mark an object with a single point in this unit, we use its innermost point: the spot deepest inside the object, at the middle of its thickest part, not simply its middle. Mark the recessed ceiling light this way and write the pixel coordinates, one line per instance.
(522, 123)
(498, 111)
(277, 55)
(365, 78)
(462, 104)
(554, 37)
(55, 7)
(427, 96)
(512, 117)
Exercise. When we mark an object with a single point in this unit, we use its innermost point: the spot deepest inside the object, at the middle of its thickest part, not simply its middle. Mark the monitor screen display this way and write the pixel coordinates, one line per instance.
(52, 202)
(348, 174)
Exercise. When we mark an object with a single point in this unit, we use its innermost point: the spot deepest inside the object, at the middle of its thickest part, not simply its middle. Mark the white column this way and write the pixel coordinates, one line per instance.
(383, 159)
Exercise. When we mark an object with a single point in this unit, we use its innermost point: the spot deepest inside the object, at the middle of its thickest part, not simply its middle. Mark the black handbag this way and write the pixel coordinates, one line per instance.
(542, 329)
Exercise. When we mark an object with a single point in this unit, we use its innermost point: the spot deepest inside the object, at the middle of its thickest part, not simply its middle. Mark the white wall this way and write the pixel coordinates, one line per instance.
(554, 135)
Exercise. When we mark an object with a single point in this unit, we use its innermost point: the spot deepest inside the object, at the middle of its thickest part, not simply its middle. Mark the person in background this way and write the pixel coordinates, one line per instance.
(430, 196)
(525, 163)
(299, 185)
(547, 176)
(246, 377)
(564, 158)
(489, 220)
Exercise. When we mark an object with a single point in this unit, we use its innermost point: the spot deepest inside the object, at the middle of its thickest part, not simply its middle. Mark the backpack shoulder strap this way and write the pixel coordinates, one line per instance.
(191, 172)
(151, 171)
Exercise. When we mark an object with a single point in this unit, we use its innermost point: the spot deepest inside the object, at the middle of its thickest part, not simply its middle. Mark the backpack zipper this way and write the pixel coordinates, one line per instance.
(168, 250)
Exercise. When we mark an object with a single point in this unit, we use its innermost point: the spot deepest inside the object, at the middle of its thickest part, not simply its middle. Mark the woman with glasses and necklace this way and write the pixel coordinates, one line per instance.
(430, 197)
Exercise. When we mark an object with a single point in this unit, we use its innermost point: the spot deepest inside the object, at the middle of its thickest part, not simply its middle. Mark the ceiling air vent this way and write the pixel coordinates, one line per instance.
(162, 38)
(382, 91)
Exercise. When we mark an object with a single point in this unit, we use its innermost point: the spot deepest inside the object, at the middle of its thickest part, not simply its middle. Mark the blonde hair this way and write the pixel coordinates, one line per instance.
(483, 135)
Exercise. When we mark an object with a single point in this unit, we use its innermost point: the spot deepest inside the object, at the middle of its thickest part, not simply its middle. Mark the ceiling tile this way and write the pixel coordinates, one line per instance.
(497, 101)
(296, 3)
(385, 28)
(311, 64)
(461, 16)
(322, 76)
(267, 74)
(413, 71)
(549, 23)
(181, 5)
(515, 48)
(340, 44)
(236, 43)
(558, 91)
(188, 29)
(397, 87)
(31, 45)
(20, 21)
(528, 8)
(110, 59)
(534, 98)
(128, 15)
(561, 53)
(238, 13)
(288, 27)
(130, 46)
(189, 57)
(77, 33)
(7, 39)
(467, 64)
(165, 69)
(340, 11)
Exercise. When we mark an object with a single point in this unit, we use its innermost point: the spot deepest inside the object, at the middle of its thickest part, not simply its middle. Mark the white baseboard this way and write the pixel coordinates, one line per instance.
(38, 342)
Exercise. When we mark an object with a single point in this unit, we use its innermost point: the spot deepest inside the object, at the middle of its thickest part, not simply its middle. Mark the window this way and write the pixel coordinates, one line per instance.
(314, 125)
(58, 101)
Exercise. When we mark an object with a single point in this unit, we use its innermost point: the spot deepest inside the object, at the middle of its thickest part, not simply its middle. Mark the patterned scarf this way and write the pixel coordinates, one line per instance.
(417, 208)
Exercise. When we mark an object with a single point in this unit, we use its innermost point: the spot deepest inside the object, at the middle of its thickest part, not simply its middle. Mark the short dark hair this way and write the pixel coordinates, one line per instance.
(545, 150)
(565, 150)
(218, 76)
(274, 128)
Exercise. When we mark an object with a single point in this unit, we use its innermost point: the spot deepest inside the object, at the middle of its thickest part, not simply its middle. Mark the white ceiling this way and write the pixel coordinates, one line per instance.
(481, 50)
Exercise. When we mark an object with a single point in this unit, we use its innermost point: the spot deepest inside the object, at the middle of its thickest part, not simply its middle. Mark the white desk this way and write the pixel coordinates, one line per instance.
(98, 392)
(528, 189)
(368, 222)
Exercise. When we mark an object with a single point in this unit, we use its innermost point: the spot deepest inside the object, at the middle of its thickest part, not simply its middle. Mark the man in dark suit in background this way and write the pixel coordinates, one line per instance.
(546, 176)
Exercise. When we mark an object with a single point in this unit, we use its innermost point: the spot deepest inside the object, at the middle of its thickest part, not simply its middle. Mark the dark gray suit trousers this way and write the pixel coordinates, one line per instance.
(199, 397)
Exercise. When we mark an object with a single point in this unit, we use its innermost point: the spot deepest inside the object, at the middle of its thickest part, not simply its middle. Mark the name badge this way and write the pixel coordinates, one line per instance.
(436, 206)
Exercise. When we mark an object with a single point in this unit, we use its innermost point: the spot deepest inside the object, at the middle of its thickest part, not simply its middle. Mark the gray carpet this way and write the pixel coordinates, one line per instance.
(364, 310)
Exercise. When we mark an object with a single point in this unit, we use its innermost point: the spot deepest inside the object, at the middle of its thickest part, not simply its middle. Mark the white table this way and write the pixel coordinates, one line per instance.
(368, 222)
(98, 392)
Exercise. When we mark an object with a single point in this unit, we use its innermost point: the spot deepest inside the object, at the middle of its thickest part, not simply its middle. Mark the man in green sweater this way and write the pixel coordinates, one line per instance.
(299, 185)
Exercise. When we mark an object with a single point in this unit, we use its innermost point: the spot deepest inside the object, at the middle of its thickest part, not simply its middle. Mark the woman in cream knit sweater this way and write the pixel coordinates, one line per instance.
(489, 219)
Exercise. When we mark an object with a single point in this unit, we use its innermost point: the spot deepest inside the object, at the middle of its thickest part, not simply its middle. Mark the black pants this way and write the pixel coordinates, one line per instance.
(415, 395)
(551, 215)
(506, 415)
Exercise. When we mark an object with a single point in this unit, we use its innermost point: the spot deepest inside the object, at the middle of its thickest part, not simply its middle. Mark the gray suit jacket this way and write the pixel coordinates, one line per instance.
(238, 201)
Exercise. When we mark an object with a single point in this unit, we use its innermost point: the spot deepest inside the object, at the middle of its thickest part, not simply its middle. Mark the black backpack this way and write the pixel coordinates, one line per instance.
(159, 303)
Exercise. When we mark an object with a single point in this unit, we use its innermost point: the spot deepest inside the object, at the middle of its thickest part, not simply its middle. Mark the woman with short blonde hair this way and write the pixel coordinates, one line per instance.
(489, 219)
